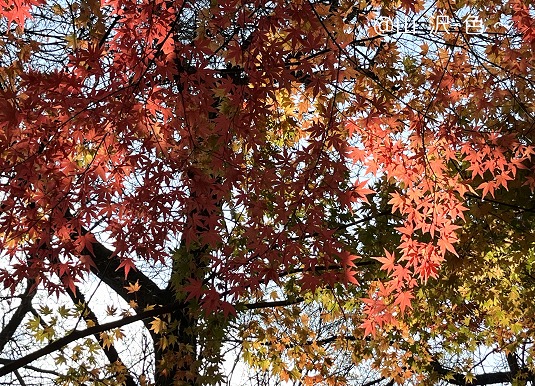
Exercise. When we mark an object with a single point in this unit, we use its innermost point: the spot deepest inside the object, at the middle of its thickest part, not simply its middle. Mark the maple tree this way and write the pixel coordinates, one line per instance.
(201, 157)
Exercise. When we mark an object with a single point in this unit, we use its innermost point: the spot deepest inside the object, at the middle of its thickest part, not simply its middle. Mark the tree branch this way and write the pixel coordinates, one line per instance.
(19, 378)
(7, 333)
(78, 334)
(109, 350)
(374, 382)
(507, 205)
(107, 269)
(4, 361)
(455, 378)
(279, 303)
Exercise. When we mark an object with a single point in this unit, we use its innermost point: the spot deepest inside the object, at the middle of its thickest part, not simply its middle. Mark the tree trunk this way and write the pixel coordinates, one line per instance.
(182, 363)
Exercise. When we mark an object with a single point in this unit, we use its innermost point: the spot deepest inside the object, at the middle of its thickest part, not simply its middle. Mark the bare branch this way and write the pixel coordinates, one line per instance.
(279, 303)
(19, 378)
(374, 382)
(455, 378)
(33, 368)
(7, 333)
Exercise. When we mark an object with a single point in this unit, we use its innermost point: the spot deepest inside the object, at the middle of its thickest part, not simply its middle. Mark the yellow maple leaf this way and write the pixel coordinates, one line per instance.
(131, 288)
(107, 340)
(157, 325)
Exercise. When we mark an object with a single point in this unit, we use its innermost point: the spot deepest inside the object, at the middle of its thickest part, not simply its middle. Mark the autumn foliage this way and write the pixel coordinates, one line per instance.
(241, 145)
